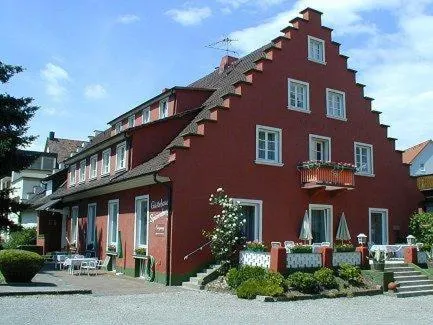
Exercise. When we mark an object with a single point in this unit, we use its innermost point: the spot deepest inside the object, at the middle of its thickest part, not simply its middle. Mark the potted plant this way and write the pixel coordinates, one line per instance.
(255, 246)
(342, 247)
(140, 251)
(379, 260)
(300, 248)
(111, 248)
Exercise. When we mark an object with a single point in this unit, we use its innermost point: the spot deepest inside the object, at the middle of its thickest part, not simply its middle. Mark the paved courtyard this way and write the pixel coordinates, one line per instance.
(190, 307)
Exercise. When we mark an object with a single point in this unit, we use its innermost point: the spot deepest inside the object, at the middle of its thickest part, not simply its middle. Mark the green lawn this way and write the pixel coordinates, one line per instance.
(2, 279)
(373, 276)
(426, 271)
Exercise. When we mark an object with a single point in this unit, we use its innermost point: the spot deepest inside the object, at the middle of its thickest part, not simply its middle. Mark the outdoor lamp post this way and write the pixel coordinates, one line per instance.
(362, 239)
(411, 240)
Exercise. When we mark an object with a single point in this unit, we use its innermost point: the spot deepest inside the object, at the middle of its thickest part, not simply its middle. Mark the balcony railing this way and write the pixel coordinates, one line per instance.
(425, 182)
(330, 175)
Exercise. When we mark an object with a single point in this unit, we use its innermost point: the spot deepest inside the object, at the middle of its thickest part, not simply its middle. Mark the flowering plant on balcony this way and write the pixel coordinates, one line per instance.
(301, 248)
(344, 247)
(255, 246)
(141, 251)
(310, 164)
(111, 248)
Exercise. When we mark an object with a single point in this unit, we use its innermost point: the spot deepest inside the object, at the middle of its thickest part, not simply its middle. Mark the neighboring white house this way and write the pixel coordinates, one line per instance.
(420, 158)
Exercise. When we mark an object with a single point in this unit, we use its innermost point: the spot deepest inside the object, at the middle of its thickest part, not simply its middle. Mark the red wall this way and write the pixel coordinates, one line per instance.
(190, 99)
(225, 155)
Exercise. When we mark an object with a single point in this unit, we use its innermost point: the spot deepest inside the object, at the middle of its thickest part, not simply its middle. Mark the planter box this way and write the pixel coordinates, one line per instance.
(262, 259)
(352, 258)
(304, 260)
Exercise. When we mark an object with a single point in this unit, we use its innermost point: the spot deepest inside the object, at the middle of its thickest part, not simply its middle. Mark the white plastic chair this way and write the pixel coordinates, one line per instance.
(316, 247)
(419, 246)
(89, 265)
(103, 264)
(288, 245)
(326, 244)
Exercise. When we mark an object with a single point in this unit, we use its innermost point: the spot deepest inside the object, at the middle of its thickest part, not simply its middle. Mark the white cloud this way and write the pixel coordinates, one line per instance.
(190, 16)
(128, 19)
(55, 77)
(396, 66)
(230, 5)
(95, 91)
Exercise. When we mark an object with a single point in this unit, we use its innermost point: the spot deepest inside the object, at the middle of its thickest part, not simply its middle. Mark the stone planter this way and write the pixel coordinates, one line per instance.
(262, 259)
(304, 260)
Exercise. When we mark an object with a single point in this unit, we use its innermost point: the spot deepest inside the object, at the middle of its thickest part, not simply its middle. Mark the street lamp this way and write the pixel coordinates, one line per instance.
(411, 240)
(362, 239)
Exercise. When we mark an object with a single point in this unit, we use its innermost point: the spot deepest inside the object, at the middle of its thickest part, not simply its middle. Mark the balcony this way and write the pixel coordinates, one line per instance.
(328, 175)
(425, 182)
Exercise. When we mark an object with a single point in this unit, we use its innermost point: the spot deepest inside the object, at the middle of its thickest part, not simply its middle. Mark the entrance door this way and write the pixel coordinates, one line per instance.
(378, 226)
(252, 213)
(321, 216)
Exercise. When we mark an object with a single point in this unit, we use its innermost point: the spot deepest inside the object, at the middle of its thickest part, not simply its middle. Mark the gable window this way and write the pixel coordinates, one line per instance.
(93, 167)
(91, 224)
(113, 216)
(299, 95)
(118, 127)
(268, 145)
(364, 159)
(74, 225)
(335, 104)
(105, 162)
(121, 156)
(72, 172)
(82, 171)
(141, 220)
(422, 167)
(316, 49)
(146, 115)
(131, 121)
(320, 148)
(163, 108)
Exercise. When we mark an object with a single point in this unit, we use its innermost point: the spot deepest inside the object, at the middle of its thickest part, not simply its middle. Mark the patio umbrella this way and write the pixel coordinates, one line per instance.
(306, 228)
(343, 230)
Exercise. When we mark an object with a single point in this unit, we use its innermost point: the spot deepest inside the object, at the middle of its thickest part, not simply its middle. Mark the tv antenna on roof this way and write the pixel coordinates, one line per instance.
(223, 45)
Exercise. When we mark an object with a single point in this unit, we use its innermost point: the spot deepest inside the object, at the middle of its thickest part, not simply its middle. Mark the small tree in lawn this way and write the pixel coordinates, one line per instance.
(226, 236)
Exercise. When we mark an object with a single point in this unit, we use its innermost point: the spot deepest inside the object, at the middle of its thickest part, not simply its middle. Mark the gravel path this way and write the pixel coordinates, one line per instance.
(190, 307)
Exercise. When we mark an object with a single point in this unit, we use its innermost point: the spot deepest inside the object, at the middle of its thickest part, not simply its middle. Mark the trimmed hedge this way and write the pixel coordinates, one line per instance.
(326, 278)
(270, 285)
(235, 277)
(19, 266)
(303, 282)
(350, 273)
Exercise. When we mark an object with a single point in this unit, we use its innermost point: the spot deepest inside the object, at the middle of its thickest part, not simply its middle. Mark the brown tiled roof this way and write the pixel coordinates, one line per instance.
(62, 147)
(410, 154)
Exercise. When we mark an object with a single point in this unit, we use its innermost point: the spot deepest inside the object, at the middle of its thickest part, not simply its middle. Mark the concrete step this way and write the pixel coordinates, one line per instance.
(414, 293)
(407, 273)
(415, 288)
(192, 286)
(414, 283)
(398, 269)
(196, 280)
(410, 278)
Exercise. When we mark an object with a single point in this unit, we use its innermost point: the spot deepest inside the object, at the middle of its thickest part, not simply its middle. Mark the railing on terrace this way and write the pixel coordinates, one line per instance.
(330, 175)
(425, 182)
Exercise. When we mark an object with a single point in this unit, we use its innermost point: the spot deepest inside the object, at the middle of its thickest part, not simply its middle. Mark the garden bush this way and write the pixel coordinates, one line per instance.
(421, 226)
(235, 277)
(303, 282)
(326, 279)
(19, 266)
(350, 273)
(268, 286)
(26, 236)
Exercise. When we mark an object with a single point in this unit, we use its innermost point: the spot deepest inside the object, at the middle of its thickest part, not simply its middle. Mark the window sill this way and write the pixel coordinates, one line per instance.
(106, 174)
(316, 61)
(306, 111)
(120, 170)
(92, 179)
(365, 174)
(344, 119)
(270, 163)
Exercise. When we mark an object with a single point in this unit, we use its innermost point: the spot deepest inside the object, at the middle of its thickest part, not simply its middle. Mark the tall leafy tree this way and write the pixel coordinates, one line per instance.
(15, 114)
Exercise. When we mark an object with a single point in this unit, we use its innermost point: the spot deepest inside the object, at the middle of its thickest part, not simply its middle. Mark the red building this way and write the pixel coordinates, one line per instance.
(246, 127)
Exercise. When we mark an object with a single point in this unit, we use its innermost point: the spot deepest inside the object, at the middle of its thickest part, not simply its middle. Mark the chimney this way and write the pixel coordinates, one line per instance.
(51, 135)
(226, 61)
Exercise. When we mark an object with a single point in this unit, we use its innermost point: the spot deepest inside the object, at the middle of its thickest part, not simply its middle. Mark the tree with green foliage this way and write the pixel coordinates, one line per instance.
(15, 114)
(421, 226)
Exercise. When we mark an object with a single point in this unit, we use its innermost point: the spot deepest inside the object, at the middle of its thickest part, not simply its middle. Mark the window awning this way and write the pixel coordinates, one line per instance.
(47, 205)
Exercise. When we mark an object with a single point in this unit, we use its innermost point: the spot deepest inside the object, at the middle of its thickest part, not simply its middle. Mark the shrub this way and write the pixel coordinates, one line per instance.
(268, 286)
(303, 282)
(235, 277)
(248, 289)
(326, 279)
(255, 246)
(25, 236)
(350, 273)
(344, 248)
(421, 226)
(19, 266)
(301, 248)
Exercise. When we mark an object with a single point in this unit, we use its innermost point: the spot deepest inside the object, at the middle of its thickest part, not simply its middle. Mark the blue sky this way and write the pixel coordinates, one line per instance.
(88, 61)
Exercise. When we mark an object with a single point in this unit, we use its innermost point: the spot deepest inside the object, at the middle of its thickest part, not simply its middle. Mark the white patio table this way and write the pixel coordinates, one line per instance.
(73, 262)
(398, 249)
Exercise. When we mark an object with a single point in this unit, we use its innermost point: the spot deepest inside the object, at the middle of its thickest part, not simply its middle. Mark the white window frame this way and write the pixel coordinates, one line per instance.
(82, 172)
(161, 105)
(121, 145)
(258, 216)
(312, 38)
(330, 221)
(385, 223)
(131, 118)
(118, 127)
(103, 173)
(95, 159)
(311, 137)
(91, 232)
(307, 96)
(77, 209)
(330, 114)
(136, 230)
(146, 112)
(72, 174)
(279, 161)
(361, 144)
(109, 242)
